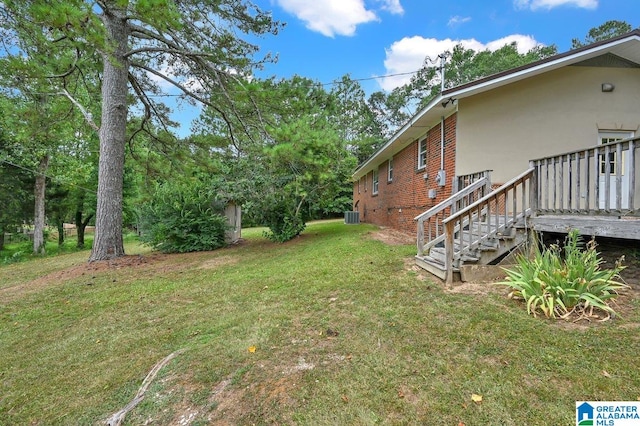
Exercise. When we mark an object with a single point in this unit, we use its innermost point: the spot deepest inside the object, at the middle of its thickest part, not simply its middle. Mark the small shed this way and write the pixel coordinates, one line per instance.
(233, 213)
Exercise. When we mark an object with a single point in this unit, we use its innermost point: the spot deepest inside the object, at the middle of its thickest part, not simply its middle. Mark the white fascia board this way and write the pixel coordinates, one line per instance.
(537, 70)
(378, 157)
(486, 85)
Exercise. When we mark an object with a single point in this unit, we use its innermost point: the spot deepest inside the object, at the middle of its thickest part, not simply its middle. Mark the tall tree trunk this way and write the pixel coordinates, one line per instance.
(38, 217)
(81, 225)
(1, 237)
(60, 232)
(108, 242)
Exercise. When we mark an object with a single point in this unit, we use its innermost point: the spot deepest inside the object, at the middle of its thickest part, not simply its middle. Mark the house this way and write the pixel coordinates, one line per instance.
(556, 139)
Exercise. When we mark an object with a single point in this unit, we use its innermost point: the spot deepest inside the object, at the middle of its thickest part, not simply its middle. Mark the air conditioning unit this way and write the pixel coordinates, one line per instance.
(352, 218)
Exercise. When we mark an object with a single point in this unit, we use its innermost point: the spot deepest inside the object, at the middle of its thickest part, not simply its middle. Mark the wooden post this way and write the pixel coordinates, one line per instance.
(534, 192)
(420, 236)
(632, 174)
(619, 166)
(448, 251)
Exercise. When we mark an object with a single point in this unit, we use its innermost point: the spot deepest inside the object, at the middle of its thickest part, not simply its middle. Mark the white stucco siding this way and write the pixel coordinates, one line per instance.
(556, 112)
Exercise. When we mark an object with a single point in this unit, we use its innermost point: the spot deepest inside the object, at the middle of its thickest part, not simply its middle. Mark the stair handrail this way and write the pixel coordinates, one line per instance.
(451, 223)
(449, 202)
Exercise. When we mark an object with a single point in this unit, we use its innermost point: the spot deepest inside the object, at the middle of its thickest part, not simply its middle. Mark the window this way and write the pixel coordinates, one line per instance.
(422, 153)
(611, 163)
(390, 170)
(374, 186)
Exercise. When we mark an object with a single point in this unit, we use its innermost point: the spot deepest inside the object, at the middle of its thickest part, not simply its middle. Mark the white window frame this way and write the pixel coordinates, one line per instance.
(390, 170)
(612, 162)
(374, 182)
(422, 153)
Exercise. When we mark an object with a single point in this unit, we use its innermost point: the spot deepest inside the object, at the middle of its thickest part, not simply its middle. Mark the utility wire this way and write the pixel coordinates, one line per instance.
(54, 178)
(332, 83)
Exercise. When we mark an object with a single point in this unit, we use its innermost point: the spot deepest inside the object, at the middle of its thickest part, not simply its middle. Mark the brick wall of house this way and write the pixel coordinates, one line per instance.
(406, 196)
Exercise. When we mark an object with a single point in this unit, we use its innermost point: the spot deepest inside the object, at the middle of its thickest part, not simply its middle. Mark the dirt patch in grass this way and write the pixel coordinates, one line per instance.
(219, 261)
(392, 237)
(158, 263)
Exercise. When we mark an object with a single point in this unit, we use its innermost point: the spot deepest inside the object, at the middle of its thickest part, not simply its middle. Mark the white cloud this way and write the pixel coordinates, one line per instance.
(392, 6)
(332, 17)
(525, 43)
(458, 20)
(550, 4)
(174, 73)
(408, 55)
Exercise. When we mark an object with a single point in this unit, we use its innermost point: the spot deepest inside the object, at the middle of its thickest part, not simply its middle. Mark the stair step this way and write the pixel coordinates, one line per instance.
(430, 265)
(436, 261)
(469, 258)
(437, 254)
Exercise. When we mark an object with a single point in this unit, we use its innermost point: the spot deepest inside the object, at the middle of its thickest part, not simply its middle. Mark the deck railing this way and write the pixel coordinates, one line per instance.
(463, 181)
(430, 223)
(495, 213)
(597, 181)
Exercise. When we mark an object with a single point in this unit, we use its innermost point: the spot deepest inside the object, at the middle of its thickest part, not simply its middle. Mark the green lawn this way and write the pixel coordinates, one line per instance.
(344, 332)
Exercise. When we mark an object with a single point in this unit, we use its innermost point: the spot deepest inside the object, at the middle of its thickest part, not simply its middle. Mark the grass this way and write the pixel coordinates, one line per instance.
(22, 250)
(343, 332)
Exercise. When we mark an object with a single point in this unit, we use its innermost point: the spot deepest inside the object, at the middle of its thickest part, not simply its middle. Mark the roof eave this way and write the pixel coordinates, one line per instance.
(489, 83)
(395, 140)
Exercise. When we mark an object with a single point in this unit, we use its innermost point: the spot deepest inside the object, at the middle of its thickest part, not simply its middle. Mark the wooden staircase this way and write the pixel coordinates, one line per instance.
(474, 226)
(592, 190)
(486, 253)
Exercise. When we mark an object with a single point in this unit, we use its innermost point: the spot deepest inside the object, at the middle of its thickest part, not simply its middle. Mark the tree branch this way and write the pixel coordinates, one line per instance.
(189, 93)
(117, 418)
(85, 113)
(148, 107)
(172, 51)
(145, 33)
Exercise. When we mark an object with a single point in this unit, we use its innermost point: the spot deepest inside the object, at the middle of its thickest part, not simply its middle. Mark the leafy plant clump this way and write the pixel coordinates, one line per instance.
(182, 218)
(560, 282)
(284, 220)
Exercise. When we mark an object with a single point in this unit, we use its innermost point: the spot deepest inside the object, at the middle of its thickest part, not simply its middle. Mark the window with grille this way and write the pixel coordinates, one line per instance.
(374, 186)
(422, 154)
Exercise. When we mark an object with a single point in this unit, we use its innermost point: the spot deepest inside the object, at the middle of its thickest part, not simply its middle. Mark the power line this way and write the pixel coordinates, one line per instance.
(331, 83)
(54, 178)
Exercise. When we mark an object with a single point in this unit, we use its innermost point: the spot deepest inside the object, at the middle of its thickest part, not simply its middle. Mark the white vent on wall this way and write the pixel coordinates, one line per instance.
(432, 193)
(352, 218)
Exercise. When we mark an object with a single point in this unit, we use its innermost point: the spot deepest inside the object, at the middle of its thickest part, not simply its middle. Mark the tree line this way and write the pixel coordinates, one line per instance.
(86, 137)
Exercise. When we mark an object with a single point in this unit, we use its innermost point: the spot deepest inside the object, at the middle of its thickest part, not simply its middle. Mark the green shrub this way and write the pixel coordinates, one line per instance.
(182, 218)
(284, 228)
(559, 286)
(283, 217)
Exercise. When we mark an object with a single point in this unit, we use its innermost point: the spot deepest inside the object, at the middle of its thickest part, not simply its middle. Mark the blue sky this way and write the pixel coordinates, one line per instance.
(369, 39)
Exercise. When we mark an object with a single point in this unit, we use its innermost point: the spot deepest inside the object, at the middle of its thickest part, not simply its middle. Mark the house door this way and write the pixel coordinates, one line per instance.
(612, 163)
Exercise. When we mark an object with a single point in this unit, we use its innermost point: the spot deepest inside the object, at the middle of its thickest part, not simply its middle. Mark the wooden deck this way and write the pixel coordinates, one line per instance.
(591, 190)
(611, 227)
